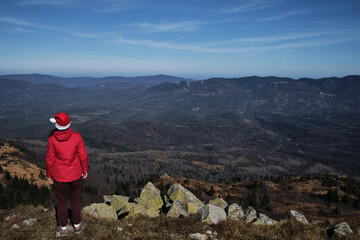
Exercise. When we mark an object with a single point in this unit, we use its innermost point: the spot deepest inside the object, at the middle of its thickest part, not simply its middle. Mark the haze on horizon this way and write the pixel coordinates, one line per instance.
(195, 39)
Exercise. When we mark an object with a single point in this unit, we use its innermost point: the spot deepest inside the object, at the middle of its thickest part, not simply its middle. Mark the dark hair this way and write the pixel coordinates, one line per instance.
(52, 132)
(56, 130)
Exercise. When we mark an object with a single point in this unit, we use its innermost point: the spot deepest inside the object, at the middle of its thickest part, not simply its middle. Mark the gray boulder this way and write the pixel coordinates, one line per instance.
(235, 212)
(186, 198)
(211, 214)
(197, 236)
(15, 226)
(176, 210)
(118, 202)
(101, 210)
(127, 208)
(150, 197)
(262, 219)
(343, 229)
(298, 217)
(107, 198)
(140, 209)
(30, 222)
(250, 214)
(219, 202)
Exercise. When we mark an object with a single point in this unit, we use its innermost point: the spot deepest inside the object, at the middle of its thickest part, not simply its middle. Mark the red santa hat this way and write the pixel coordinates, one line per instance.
(61, 120)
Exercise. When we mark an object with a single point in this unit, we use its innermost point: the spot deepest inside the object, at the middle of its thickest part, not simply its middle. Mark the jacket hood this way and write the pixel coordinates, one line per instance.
(62, 136)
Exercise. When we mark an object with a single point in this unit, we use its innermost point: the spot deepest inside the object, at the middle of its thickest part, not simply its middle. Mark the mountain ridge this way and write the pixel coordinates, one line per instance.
(279, 125)
(118, 82)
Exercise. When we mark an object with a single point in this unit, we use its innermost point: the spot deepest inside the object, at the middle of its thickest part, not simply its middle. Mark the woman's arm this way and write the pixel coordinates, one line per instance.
(50, 159)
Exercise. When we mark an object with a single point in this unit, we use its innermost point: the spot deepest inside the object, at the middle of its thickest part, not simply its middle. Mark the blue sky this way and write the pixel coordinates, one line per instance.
(190, 38)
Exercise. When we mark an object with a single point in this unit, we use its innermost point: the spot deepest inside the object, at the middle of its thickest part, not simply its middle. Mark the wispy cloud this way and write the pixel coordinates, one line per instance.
(249, 5)
(20, 22)
(22, 30)
(184, 26)
(271, 39)
(248, 45)
(281, 16)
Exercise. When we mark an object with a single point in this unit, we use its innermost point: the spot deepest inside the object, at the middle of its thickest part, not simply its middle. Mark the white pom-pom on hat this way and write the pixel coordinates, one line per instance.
(52, 120)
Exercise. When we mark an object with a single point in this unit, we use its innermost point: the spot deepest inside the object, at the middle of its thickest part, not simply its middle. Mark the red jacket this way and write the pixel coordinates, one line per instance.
(66, 158)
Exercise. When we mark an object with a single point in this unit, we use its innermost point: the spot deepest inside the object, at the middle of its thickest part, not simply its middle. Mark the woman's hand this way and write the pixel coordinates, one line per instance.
(50, 180)
(84, 175)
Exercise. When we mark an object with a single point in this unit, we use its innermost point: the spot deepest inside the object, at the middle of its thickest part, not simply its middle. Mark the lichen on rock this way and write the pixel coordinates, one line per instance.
(219, 202)
(118, 202)
(211, 214)
(343, 229)
(101, 210)
(298, 217)
(235, 212)
(250, 214)
(150, 197)
(262, 219)
(176, 210)
(191, 204)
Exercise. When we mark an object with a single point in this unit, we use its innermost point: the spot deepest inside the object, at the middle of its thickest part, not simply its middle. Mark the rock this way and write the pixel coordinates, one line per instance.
(150, 197)
(127, 208)
(197, 236)
(235, 212)
(211, 214)
(107, 198)
(118, 202)
(152, 212)
(137, 200)
(30, 222)
(262, 219)
(250, 214)
(7, 218)
(167, 201)
(178, 193)
(343, 229)
(298, 217)
(191, 208)
(143, 210)
(219, 202)
(15, 226)
(101, 210)
(316, 222)
(164, 176)
(138, 209)
(176, 210)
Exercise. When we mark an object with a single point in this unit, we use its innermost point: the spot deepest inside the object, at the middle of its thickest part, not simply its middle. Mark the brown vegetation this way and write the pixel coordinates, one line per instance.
(12, 161)
(142, 227)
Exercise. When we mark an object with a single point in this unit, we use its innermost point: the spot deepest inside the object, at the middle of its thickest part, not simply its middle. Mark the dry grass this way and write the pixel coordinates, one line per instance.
(12, 162)
(141, 227)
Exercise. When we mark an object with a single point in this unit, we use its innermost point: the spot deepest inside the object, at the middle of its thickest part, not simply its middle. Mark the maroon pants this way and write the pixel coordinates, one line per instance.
(61, 192)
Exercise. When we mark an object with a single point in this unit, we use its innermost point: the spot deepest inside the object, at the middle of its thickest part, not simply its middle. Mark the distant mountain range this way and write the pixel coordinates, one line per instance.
(114, 82)
(248, 126)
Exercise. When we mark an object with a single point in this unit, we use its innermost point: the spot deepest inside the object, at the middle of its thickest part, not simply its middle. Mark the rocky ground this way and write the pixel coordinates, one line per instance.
(177, 215)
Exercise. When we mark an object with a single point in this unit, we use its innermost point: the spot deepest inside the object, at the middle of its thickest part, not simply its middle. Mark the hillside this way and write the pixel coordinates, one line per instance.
(252, 126)
(329, 199)
(13, 161)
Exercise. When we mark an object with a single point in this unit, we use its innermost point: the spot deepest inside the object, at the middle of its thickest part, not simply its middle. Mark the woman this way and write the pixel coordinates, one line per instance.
(66, 164)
